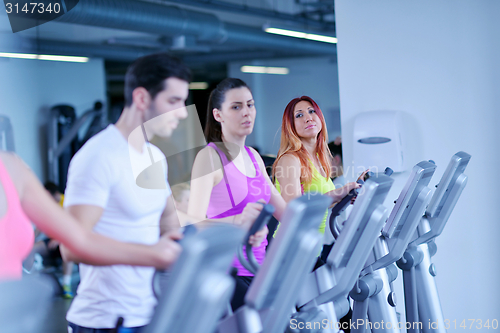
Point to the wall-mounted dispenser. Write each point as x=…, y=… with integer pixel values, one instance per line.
x=379, y=141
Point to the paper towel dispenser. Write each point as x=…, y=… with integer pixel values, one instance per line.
x=379, y=141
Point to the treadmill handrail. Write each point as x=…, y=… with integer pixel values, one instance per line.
x=445, y=197
x=405, y=216
x=250, y=263
x=357, y=239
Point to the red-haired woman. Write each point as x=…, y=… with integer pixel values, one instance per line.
x=303, y=163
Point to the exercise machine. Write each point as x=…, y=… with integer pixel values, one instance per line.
x=418, y=271
x=271, y=298
x=24, y=304
x=373, y=294
x=198, y=284
x=324, y=295
x=62, y=137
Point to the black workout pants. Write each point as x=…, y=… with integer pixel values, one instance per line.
x=240, y=290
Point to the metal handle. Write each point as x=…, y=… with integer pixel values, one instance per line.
x=251, y=263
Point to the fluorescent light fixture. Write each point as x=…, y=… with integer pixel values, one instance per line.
x=298, y=34
x=18, y=55
x=265, y=70
x=62, y=58
x=198, y=86
x=43, y=57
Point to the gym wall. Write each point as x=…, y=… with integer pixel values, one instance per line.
x=29, y=88
x=437, y=62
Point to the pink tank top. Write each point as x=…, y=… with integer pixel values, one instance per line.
x=16, y=233
x=230, y=196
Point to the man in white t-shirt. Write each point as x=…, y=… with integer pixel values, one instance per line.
x=117, y=186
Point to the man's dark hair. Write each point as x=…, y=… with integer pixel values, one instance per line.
x=151, y=71
x=51, y=187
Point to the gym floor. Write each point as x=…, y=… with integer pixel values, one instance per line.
x=55, y=322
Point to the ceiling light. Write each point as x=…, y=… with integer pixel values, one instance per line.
x=198, y=86
x=265, y=70
x=18, y=55
x=299, y=34
x=43, y=57
x=62, y=58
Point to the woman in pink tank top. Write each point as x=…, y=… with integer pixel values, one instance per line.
x=229, y=178
x=24, y=199
x=16, y=233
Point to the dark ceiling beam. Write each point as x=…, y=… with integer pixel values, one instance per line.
x=248, y=10
x=127, y=54
x=171, y=21
x=105, y=51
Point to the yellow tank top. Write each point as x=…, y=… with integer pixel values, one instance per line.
x=318, y=184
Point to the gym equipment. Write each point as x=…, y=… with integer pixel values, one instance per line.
x=324, y=295
x=340, y=207
x=273, y=293
x=373, y=294
x=6, y=134
x=344, y=203
x=160, y=277
x=62, y=137
x=24, y=304
x=198, y=283
x=250, y=263
x=418, y=271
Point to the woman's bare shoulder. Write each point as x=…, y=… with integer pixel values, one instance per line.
x=289, y=159
x=256, y=155
x=208, y=154
x=207, y=160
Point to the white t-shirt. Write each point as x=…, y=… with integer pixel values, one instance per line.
x=103, y=173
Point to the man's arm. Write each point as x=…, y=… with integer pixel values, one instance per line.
x=170, y=219
x=80, y=242
x=87, y=216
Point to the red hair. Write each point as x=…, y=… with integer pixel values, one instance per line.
x=291, y=143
